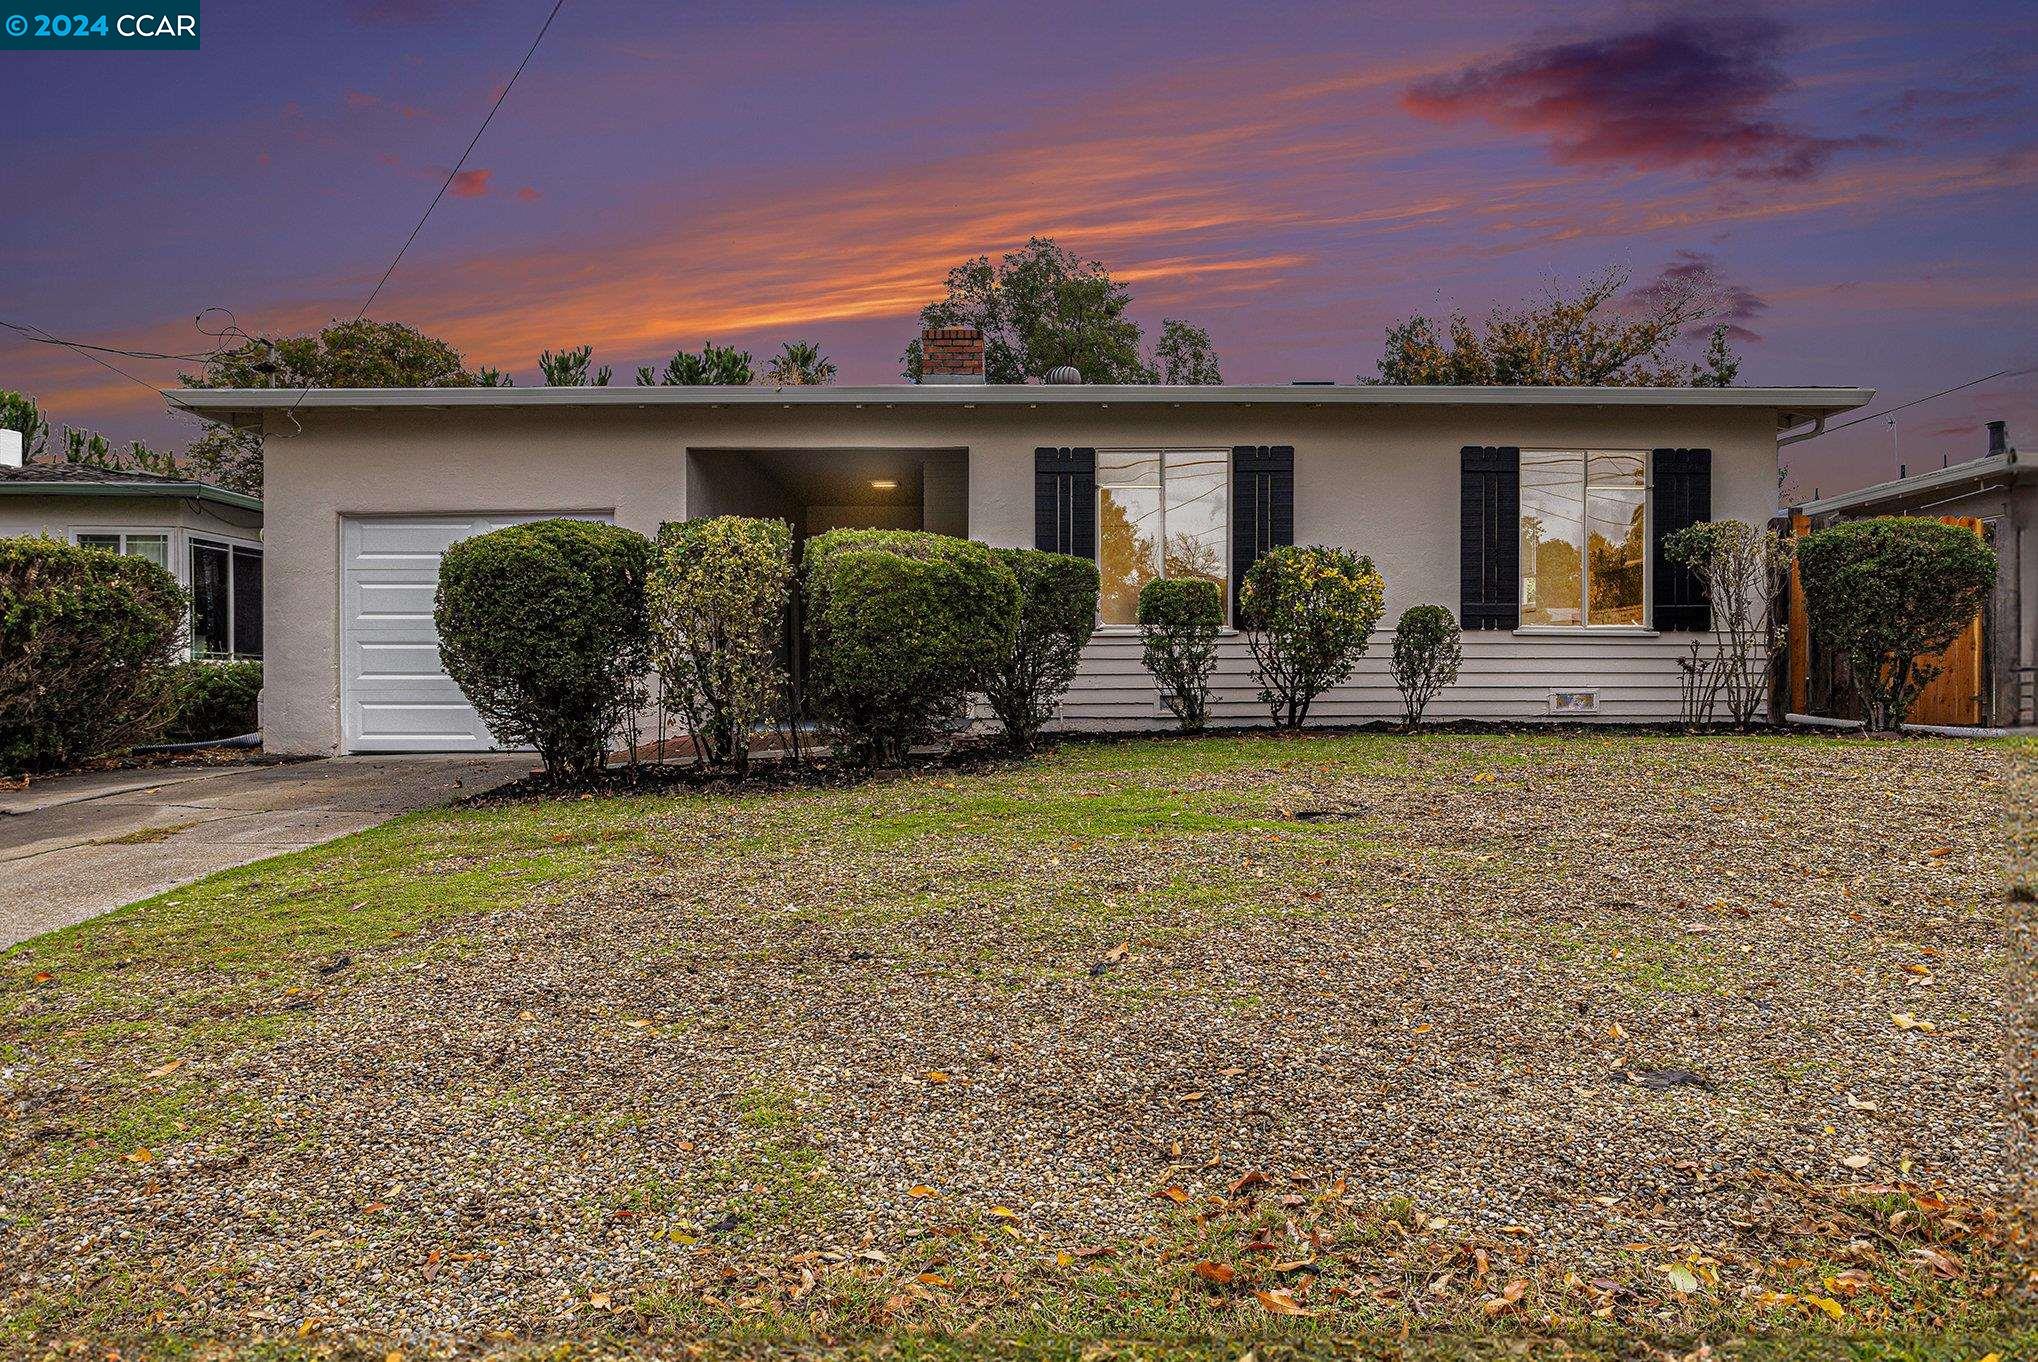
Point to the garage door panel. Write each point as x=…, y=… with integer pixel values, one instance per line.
x=394, y=694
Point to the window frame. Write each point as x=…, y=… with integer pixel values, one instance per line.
x=167, y=533
x=180, y=540
x=192, y=539
x=1162, y=453
x=1645, y=629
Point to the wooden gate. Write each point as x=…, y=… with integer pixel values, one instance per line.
x=1811, y=686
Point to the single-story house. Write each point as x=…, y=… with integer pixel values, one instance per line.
x=1536, y=513
x=208, y=538
x=1999, y=490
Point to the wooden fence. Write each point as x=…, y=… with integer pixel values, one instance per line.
x=1815, y=681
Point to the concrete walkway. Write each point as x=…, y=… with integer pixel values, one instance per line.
x=75, y=847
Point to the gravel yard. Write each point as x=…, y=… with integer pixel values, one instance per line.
x=1222, y=1037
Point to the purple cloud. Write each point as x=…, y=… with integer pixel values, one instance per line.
x=1678, y=92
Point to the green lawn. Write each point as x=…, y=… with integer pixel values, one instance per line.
x=1290, y=1044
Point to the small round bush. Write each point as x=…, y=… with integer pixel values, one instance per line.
x=542, y=627
x=717, y=592
x=1427, y=654
x=902, y=626
x=214, y=700
x=87, y=641
x=1308, y=614
x=1178, y=622
x=1057, y=615
x=1886, y=594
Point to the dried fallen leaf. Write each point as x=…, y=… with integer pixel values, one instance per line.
x=166, y=1069
x=1856, y=1161
x=1219, y=1274
x=1174, y=1194
x=141, y=1155
x=1280, y=1303
x=1829, y=1305
x=934, y=1076
x=922, y=1190
x=1681, y=1279
x=1252, y=1179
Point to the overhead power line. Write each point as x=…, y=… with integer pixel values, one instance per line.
x=1890, y=411
x=36, y=333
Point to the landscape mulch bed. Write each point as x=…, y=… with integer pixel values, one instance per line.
x=1689, y=1035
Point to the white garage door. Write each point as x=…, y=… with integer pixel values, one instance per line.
x=393, y=695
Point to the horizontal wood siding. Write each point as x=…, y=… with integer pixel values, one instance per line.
x=1504, y=677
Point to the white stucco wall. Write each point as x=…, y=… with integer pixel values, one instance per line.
x=1380, y=480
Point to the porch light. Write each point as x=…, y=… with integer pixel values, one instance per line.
x=883, y=485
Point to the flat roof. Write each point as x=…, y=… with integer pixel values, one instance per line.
x=1794, y=406
x=1931, y=480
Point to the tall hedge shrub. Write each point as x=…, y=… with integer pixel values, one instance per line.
x=87, y=642
x=902, y=627
x=1885, y=594
x=1308, y=614
x=1427, y=655
x=1057, y=615
x=1178, y=622
x=542, y=626
x=717, y=592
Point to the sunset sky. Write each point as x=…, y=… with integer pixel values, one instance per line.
x=1294, y=177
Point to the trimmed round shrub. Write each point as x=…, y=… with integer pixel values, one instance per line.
x=902, y=626
x=214, y=700
x=717, y=593
x=1427, y=654
x=1178, y=622
x=1308, y=614
x=1057, y=615
x=1886, y=594
x=542, y=627
x=87, y=642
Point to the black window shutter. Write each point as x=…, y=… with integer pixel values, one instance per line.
x=1065, y=501
x=1681, y=487
x=1262, y=505
x=1489, y=537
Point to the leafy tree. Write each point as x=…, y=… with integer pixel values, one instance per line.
x=1308, y=614
x=800, y=364
x=1040, y=308
x=1887, y=594
x=226, y=457
x=1741, y=568
x=716, y=366
x=1583, y=339
x=569, y=369
x=18, y=411
x=488, y=376
x=345, y=354
x=1185, y=355
x=93, y=450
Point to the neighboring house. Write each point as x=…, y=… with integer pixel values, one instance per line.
x=1999, y=490
x=1477, y=498
x=209, y=539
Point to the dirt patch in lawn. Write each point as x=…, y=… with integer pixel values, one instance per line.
x=1687, y=1035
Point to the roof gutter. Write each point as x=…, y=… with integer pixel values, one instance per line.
x=1818, y=429
x=197, y=491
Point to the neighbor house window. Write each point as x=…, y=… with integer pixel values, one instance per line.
x=1160, y=513
x=226, y=599
x=153, y=546
x=1584, y=537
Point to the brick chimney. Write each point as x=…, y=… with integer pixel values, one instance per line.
x=951, y=354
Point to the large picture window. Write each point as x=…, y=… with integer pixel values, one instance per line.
x=226, y=599
x=1584, y=538
x=1160, y=513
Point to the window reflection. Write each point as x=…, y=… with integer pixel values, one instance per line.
x=1584, y=537
x=1160, y=514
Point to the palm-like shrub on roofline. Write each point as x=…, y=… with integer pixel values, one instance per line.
x=542, y=627
x=1178, y=622
x=716, y=593
x=1057, y=615
x=902, y=627
x=1308, y=614
x=1888, y=593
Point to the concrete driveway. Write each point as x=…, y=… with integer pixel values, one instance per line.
x=77, y=846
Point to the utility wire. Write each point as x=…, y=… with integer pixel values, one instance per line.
x=455, y=171
x=1889, y=411
x=41, y=337
x=36, y=333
